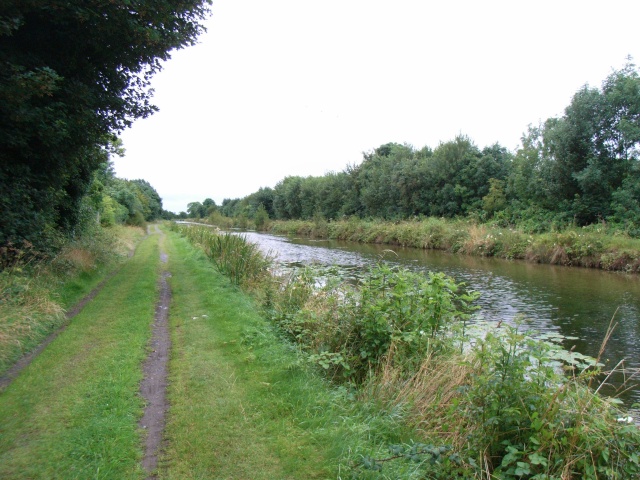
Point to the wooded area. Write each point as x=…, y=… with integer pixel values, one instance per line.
x=73, y=75
x=579, y=169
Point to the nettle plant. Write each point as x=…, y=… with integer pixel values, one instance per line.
x=527, y=419
x=525, y=411
x=416, y=315
x=350, y=330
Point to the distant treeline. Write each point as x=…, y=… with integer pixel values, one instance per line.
x=120, y=201
x=578, y=169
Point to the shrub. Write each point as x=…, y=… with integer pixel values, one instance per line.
x=349, y=331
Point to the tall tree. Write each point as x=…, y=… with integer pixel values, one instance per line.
x=584, y=163
x=73, y=74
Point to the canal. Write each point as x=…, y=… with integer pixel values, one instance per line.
x=573, y=302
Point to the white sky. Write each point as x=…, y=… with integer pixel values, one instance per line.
x=301, y=87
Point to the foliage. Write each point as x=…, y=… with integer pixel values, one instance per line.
x=531, y=421
x=578, y=169
x=133, y=202
x=392, y=182
x=202, y=210
x=581, y=166
x=73, y=74
x=261, y=217
x=349, y=332
x=231, y=254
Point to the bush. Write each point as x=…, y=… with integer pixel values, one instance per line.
x=526, y=420
x=349, y=331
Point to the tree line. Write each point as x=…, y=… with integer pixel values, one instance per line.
x=578, y=169
x=119, y=201
x=73, y=75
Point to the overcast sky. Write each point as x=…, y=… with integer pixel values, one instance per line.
x=298, y=87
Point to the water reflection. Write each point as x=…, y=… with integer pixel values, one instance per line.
x=572, y=301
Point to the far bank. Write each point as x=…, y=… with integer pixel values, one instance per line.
x=595, y=246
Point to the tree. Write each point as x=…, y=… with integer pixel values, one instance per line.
x=73, y=74
x=581, y=164
x=379, y=175
x=151, y=200
x=495, y=200
x=196, y=210
x=287, y=202
x=209, y=206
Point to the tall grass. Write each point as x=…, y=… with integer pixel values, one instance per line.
x=231, y=254
x=36, y=291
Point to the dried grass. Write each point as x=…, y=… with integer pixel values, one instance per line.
x=23, y=317
x=79, y=259
x=428, y=395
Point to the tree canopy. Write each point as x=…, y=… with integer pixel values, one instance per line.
x=577, y=169
x=73, y=74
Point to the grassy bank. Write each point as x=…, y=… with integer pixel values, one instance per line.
x=73, y=412
x=35, y=294
x=243, y=403
x=593, y=247
x=493, y=403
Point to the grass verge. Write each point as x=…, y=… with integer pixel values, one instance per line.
x=35, y=296
x=243, y=403
x=73, y=412
x=595, y=246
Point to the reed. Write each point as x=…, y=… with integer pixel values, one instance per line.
x=231, y=254
x=582, y=247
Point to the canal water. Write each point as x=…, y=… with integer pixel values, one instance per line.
x=573, y=302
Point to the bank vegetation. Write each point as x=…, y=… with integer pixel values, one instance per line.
x=485, y=401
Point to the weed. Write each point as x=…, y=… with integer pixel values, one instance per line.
x=232, y=254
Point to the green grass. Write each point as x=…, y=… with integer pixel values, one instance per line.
x=73, y=412
x=499, y=409
x=34, y=297
x=243, y=403
x=109, y=249
x=243, y=406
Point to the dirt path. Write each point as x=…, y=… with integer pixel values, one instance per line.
x=154, y=384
